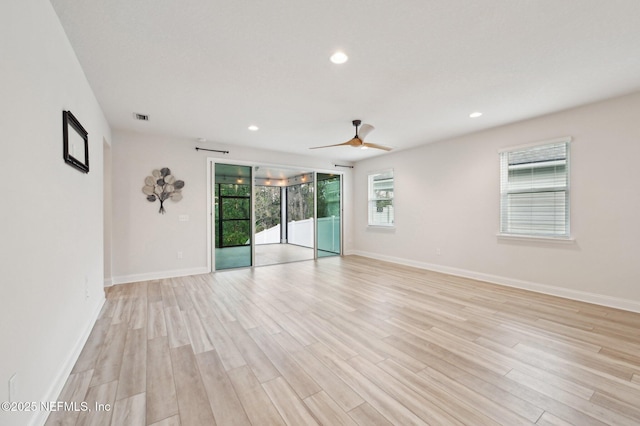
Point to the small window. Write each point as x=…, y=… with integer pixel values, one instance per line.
x=534, y=190
x=381, y=211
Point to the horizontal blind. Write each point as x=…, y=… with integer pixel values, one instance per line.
x=381, y=211
x=534, y=189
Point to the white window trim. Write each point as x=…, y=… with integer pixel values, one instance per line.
x=390, y=226
x=379, y=225
x=563, y=239
x=567, y=139
x=519, y=237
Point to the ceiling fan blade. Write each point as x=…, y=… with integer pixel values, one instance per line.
x=352, y=142
x=376, y=146
x=364, y=130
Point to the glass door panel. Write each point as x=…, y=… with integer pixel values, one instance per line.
x=232, y=224
x=328, y=214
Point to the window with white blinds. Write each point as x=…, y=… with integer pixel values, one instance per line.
x=534, y=190
x=381, y=212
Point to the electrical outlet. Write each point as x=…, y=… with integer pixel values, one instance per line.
x=86, y=287
x=12, y=388
x=179, y=255
x=438, y=252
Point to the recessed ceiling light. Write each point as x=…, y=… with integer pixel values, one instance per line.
x=253, y=128
x=202, y=140
x=339, y=58
x=475, y=114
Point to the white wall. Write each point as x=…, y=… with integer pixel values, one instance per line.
x=447, y=198
x=107, y=212
x=50, y=214
x=145, y=243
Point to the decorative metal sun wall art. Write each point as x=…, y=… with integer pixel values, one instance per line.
x=162, y=185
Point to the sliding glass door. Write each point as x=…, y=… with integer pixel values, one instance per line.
x=263, y=215
x=329, y=209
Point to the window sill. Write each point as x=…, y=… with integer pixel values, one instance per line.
x=553, y=240
x=382, y=227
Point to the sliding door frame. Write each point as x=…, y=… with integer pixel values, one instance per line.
x=211, y=167
x=211, y=173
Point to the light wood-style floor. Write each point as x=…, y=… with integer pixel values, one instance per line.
x=271, y=254
x=353, y=341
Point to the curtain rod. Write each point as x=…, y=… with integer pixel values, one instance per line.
x=340, y=165
x=212, y=150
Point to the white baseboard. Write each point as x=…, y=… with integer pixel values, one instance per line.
x=158, y=275
x=108, y=282
x=582, y=296
x=40, y=417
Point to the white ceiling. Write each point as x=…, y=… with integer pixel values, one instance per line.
x=416, y=69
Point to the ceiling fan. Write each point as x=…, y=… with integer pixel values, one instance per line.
x=358, y=140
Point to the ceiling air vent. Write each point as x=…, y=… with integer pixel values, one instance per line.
x=140, y=116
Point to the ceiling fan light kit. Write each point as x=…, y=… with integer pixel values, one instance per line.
x=358, y=140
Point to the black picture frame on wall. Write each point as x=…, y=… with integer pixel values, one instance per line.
x=76, y=142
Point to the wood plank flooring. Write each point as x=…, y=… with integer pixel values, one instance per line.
x=352, y=341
